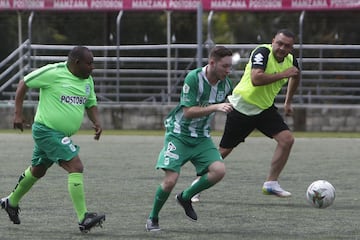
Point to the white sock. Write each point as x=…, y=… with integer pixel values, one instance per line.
x=270, y=183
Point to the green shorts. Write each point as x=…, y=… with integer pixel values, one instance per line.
x=51, y=146
x=178, y=151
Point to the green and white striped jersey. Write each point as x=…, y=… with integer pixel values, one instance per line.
x=196, y=91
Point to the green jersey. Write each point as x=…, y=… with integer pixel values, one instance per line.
x=196, y=91
x=63, y=97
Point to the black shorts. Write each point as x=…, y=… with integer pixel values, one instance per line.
x=238, y=126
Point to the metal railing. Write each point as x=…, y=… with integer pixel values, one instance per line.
x=148, y=74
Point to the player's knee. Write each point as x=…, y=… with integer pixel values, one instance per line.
x=73, y=166
x=216, y=171
x=285, y=139
x=221, y=173
x=289, y=140
x=76, y=168
x=38, y=171
x=169, y=181
x=168, y=184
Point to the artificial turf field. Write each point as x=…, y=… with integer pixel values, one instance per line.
x=120, y=180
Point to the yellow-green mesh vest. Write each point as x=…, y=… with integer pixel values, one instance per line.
x=263, y=96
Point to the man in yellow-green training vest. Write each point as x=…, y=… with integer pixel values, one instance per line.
x=270, y=67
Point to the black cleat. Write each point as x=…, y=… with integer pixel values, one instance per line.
x=152, y=225
x=13, y=212
x=91, y=220
x=186, y=204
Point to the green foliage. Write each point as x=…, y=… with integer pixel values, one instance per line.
x=97, y=28
x=8, y=33
x=222, y=29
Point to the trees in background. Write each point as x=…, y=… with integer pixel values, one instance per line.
x=96, y=28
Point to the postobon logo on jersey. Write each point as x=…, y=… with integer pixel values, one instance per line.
x=77, y=100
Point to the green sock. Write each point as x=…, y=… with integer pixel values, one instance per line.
x=26, y=181
x=76, y=190
x=159, y=201
x=199, y=186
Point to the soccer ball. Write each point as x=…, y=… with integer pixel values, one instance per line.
x=320, y=194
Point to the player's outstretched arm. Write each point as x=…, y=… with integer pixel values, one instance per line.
x=260, y=78
x=197, y=111
x=19, y=100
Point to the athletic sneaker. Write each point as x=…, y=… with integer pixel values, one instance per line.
x=273, y=188
x=13, y=212
x=196, y=198
x=91, y=220
x=186, y=204
x=152, y=225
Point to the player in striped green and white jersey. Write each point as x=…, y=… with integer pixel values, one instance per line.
x=187, y=136
x=196, y=92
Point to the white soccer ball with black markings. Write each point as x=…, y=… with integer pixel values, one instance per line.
x=320, y=194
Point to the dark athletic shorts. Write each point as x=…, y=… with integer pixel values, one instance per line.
x=238, y=126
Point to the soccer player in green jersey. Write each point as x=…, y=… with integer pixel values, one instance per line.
x=270, y=67
x=187, y=136
x=66, y=92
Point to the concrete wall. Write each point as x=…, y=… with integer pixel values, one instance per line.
x=328, y=118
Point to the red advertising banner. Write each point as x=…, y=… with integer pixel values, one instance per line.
x=181, y=5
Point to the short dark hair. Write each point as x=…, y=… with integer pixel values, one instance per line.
x=286, y=32
x=77, y=52
x=219, y=52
